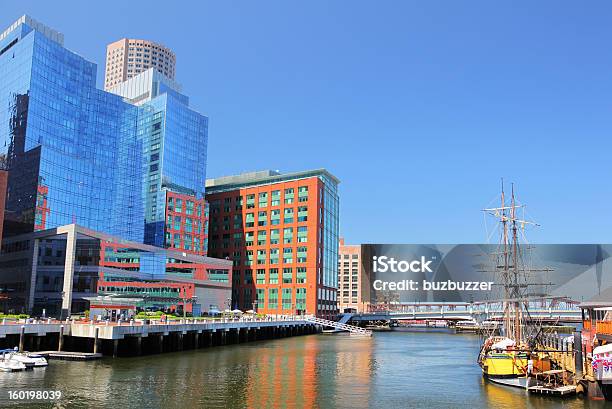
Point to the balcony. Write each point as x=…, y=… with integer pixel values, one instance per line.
x=603, y=327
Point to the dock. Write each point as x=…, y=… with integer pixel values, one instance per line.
x=556, y=391
x=70, y=356
x=86, y=340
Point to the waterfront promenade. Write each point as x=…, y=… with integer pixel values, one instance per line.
x=136, y=337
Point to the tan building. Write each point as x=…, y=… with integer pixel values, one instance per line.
x=129, y=57
x=349, y=277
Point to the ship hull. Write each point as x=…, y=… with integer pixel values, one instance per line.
x=515, y=381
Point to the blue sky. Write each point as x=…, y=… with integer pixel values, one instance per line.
x=418, y=107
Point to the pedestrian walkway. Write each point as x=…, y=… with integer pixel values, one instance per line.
x=338, y=325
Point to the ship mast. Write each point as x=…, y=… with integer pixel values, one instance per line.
x=510, y=267
x=505, y=273
x=517, y=309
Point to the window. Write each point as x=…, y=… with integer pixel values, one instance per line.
x=275, y=198
x=273, y=256
x=263, y=199
x=272, y=298
x=274, y=236
x=250, y=201
x=261, y=256
x=288, y=255
x=287, y=275
x=262, y=218
x=288, y=215
x=287, y=299
x=300, y=299
x=273, y=279
x=250, y=220
x=287, y=235
x=275, y=217
x=300, y=277
x=289, y=196
x=261, y=237
x=261, y=276
x=301, y=254
x=302, y=234
x=302, y=213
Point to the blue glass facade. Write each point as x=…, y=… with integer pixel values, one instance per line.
x=77, y=154
x=70, y=149
x=174, y=139
x=175, y=143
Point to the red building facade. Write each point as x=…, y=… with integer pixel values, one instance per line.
x=186, y=223
x=278, y=231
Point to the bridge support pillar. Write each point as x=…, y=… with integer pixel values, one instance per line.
x=61, y=339
x=21, y=338
x=96, y=343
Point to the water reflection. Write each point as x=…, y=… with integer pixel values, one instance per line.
x=390, y=370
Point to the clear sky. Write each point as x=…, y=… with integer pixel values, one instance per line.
x=418, y=107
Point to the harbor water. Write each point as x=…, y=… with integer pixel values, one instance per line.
x=399, y=369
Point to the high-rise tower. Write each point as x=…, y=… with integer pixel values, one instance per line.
x=128, y=57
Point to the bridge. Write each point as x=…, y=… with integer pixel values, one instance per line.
x=546, y=310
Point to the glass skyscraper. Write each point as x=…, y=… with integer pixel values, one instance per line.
x=174, y=139
x=70, y=149
x=130, y=162
x=121, y=168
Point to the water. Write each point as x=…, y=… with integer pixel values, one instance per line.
x=409, y=369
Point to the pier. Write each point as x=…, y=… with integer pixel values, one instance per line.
x=138, y=337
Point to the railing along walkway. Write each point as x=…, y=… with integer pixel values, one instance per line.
x=350, y=328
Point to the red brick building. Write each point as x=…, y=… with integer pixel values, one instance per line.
x=281, y=232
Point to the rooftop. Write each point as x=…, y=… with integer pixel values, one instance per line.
x=262, y=177
x=604, y=299
x=40, y=27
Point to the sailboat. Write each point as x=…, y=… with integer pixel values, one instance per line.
x=510, y=359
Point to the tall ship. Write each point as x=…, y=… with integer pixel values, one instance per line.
x=511, y=358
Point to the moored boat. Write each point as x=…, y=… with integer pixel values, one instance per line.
x=8, y=364
x=467, y=326
x=511, y=359
x=29, y=360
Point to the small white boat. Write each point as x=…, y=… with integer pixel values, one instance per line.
x=467, y=326
x=31, y=360
x=8, y=364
